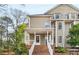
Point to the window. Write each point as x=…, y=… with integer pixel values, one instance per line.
x=73, y=16
x=60, y=39
x=57, y=16
x=61, y=16
x=67, y=16
x=78, y=16
x=60, y=26
x=47, y=25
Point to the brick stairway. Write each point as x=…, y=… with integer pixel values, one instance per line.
x=40, y=50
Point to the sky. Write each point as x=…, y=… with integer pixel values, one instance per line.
x=36, y=8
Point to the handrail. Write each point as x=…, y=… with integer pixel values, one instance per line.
x=32, y=48
x=49, y=48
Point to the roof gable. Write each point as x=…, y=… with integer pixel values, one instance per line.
x=63, y=8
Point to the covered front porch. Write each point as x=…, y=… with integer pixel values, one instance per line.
x=39, y=36
x=40, y=40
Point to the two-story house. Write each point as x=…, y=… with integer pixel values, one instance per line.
x=52, y=26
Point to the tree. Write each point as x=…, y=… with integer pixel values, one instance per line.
x=14, y=39
x=7, y=22
x=74, y=36
x=20, y=47
x=16, y=14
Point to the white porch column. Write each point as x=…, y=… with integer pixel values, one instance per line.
x=28, y=39
x=47, y=36
x=63, y=38
x=25, y=37
x=29, y=22
x=70, y=16
x=56, y=41
x=52, y=38
x=74, y=22
x=34, y=36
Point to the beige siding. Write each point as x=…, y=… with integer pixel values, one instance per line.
x=63, y=9
x=38, y=22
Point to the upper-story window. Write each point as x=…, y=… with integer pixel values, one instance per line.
x=57, y=16
x=72, y=16
x=60, y=25
x=47, y=24
x=67, y=16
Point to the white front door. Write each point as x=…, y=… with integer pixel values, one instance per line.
x=37, y=39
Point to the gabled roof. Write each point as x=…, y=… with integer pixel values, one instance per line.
x=69, y=5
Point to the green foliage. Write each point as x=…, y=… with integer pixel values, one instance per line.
x=61, y=50
x=1, y=50
x=74, y=35
x=20, y=32
x=20, y=47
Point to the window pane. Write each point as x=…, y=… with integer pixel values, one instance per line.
x=60, y=39
x=47, y=24
x=57, y=16
x=73, y=16
x=67, y=16
x=60, y=26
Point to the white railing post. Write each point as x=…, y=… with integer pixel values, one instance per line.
x=32, y=48
x=49, y=48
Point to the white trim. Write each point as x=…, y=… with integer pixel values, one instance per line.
x=74, y=22
x=56, y=33
x=28, y=38
x=47, y=36
x=63, y=40
x=49, y=48
x=32, y=48
x=25, y=37
x=52, y=38
x=29, y=22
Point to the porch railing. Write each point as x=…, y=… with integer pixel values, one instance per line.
x=49, y=48
x=32, y=48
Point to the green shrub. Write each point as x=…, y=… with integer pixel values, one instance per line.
x=21, y=50
x=1, y=50
x=61, y=50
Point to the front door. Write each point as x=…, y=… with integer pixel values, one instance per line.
x=37, y=39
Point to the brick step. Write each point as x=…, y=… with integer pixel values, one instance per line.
x=40, y=50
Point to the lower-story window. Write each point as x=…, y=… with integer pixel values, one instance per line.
x=60, y=39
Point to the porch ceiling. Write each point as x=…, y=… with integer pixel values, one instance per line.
x=39, y=30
